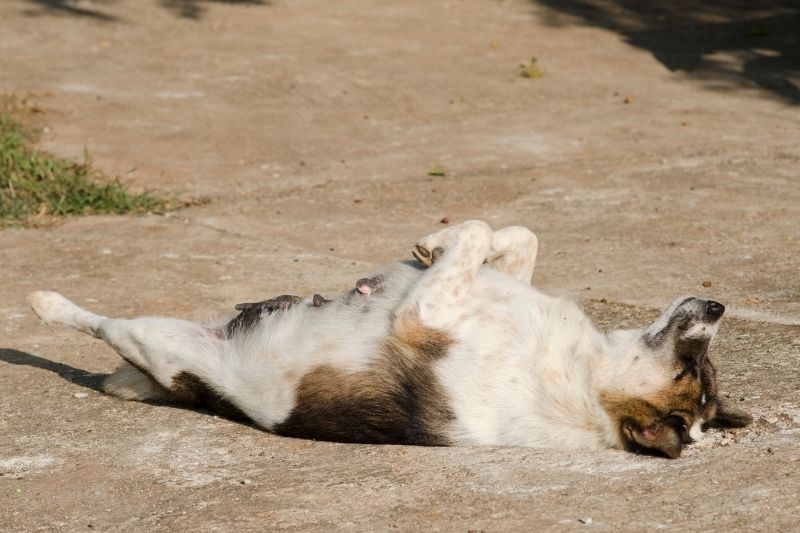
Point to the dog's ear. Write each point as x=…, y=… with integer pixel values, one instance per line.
x=642, y=428
x=658, y=437
x=729, y=417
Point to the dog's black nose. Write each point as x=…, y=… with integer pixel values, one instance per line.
x=714, y=309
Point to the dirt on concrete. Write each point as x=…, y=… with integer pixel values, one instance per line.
x=658, y=153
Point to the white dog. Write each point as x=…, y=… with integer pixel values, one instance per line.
x=456, y=349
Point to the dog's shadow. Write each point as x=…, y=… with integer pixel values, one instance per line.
x=73, y=375
x=94, y=381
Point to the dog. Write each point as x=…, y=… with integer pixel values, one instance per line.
x=455, y=348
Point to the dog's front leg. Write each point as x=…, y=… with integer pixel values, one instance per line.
x=454, y=255
x=513, y=252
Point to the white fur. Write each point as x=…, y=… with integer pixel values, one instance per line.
x=129, y=383
x=696, y=431
x=702, y=330
x=536, y=381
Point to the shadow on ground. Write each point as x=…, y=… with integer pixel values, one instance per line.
x=726, y=43
x=94, y=382
x=68, y=373
x=67, y=7
x=194, y=9
x=188, y=9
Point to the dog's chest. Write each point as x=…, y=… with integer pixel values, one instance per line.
x=523, y=367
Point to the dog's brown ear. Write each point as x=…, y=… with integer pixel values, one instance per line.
x=729, y=417
x=642, y=428
x=658, y=437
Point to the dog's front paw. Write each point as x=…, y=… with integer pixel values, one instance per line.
x=426, y=256
x=429, y=249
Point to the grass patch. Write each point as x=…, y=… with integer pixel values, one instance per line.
x=35, y=186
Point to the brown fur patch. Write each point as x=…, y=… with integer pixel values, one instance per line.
x=681, y=395
x=660, y=422
x=398, y=400
x=642, y=427
x=670, y=412
x=189, y=389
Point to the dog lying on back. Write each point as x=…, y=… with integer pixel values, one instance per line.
x=455, y=349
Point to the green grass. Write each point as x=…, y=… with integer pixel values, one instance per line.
x=35, y=186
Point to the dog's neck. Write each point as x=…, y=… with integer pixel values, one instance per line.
x=628, y=372
x=571, y=390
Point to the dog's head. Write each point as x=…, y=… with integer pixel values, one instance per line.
x=661, y=391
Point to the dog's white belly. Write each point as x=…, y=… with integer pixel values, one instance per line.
x=520, y=371
x=272, y=362
x=273, y=359
x=523, y=369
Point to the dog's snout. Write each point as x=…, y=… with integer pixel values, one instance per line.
x=714, y=309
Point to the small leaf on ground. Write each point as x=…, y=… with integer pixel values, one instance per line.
x=531, y=70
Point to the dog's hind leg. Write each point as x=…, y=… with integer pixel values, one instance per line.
x=183, y=357
x=513, y=252
x=129, y=383
x=455, y=255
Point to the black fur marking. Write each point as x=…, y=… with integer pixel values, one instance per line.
x=691, y=352
x=727, y=417
x=319, y=300
x=656, y=339
x=251, y=313
x=680, y=426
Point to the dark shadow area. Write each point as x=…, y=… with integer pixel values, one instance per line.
x=188, y=9
x=724, y=42
x=94, y=382
x=67, y=7
x=71, y=374
x=194, y=9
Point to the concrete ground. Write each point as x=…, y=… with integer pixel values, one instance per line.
x=658, y=154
